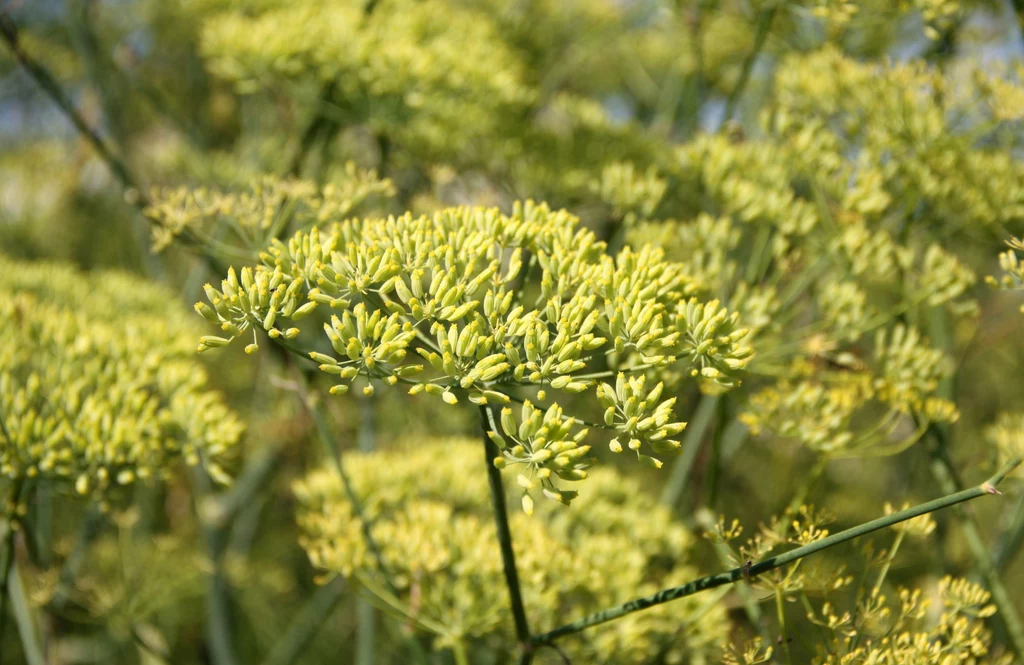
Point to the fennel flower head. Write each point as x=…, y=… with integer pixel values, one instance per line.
x=439, y=549
x=99, y=385
x=445, y=305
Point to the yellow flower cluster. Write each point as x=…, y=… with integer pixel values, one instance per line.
x=942, y=130
x=903, y=630
x=1007, y=435
x=823, y=408
x=439, y=550
x=97, y=383
x=434, y=74
x=448, y=288
x=1013, y=269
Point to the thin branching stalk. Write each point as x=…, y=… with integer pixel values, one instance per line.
x=219, y=624
x=133, y=192
x=334, y=453
x=706, y=520
x=30, y=644
x=1011, y=540
x=87, y=533
x=780, y=612
x=508, y=556
x=736, y=574
x=307, y=624
x=42, y=77
x=1008, y=614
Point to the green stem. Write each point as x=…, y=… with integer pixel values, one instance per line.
x=33, y=650
x=307, y=624
x=736, y=574
x=508, y=556
x=133, y=194
x=706, y=519
x=366, y=613
x=715, y=460
x=69, y=571
x=780, y=612
x=764, y=23
x=334, y=453
x=7, y=552
x=219, y=629
x=459, y=651
x=45, y=80
x=888, y=563
x=695, y=431
x=1008, y=614
x=1011, y=540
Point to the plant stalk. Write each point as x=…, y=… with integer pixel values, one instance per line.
x=508, y=556
x=1007, y=613
x=307, y=624
x=695, y=431
x=334, y=453
x=33, y=650
x=764, y=24
x=736, y=574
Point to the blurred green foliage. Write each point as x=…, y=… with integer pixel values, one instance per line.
x=836, y=179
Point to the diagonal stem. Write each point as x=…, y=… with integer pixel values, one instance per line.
x=764, y=23
x=1008, y=615
x=737, y=574
x=508, y=556
x=334, y=453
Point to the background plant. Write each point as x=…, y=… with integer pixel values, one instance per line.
x=826, y=208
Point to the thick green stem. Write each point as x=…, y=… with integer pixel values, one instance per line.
x=736, y=574
x=508, y=556
x=366, y=613
x=307, y=624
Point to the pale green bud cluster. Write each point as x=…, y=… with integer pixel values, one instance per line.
x=640, y=417
x=703, y=243
x=1012, y=267
x=544, y=443
x=908, y=370
x=450, y=288
x=946, y=173
x=905, y=628
x=434, y=74
x=439, y=549
x=1007, y=435
x=844, y=307
x=98, y=386
x=937, y=15
x=269, y=207
x=854, y=409
x=712, y=339
x=631, y=194
x=750, y=182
